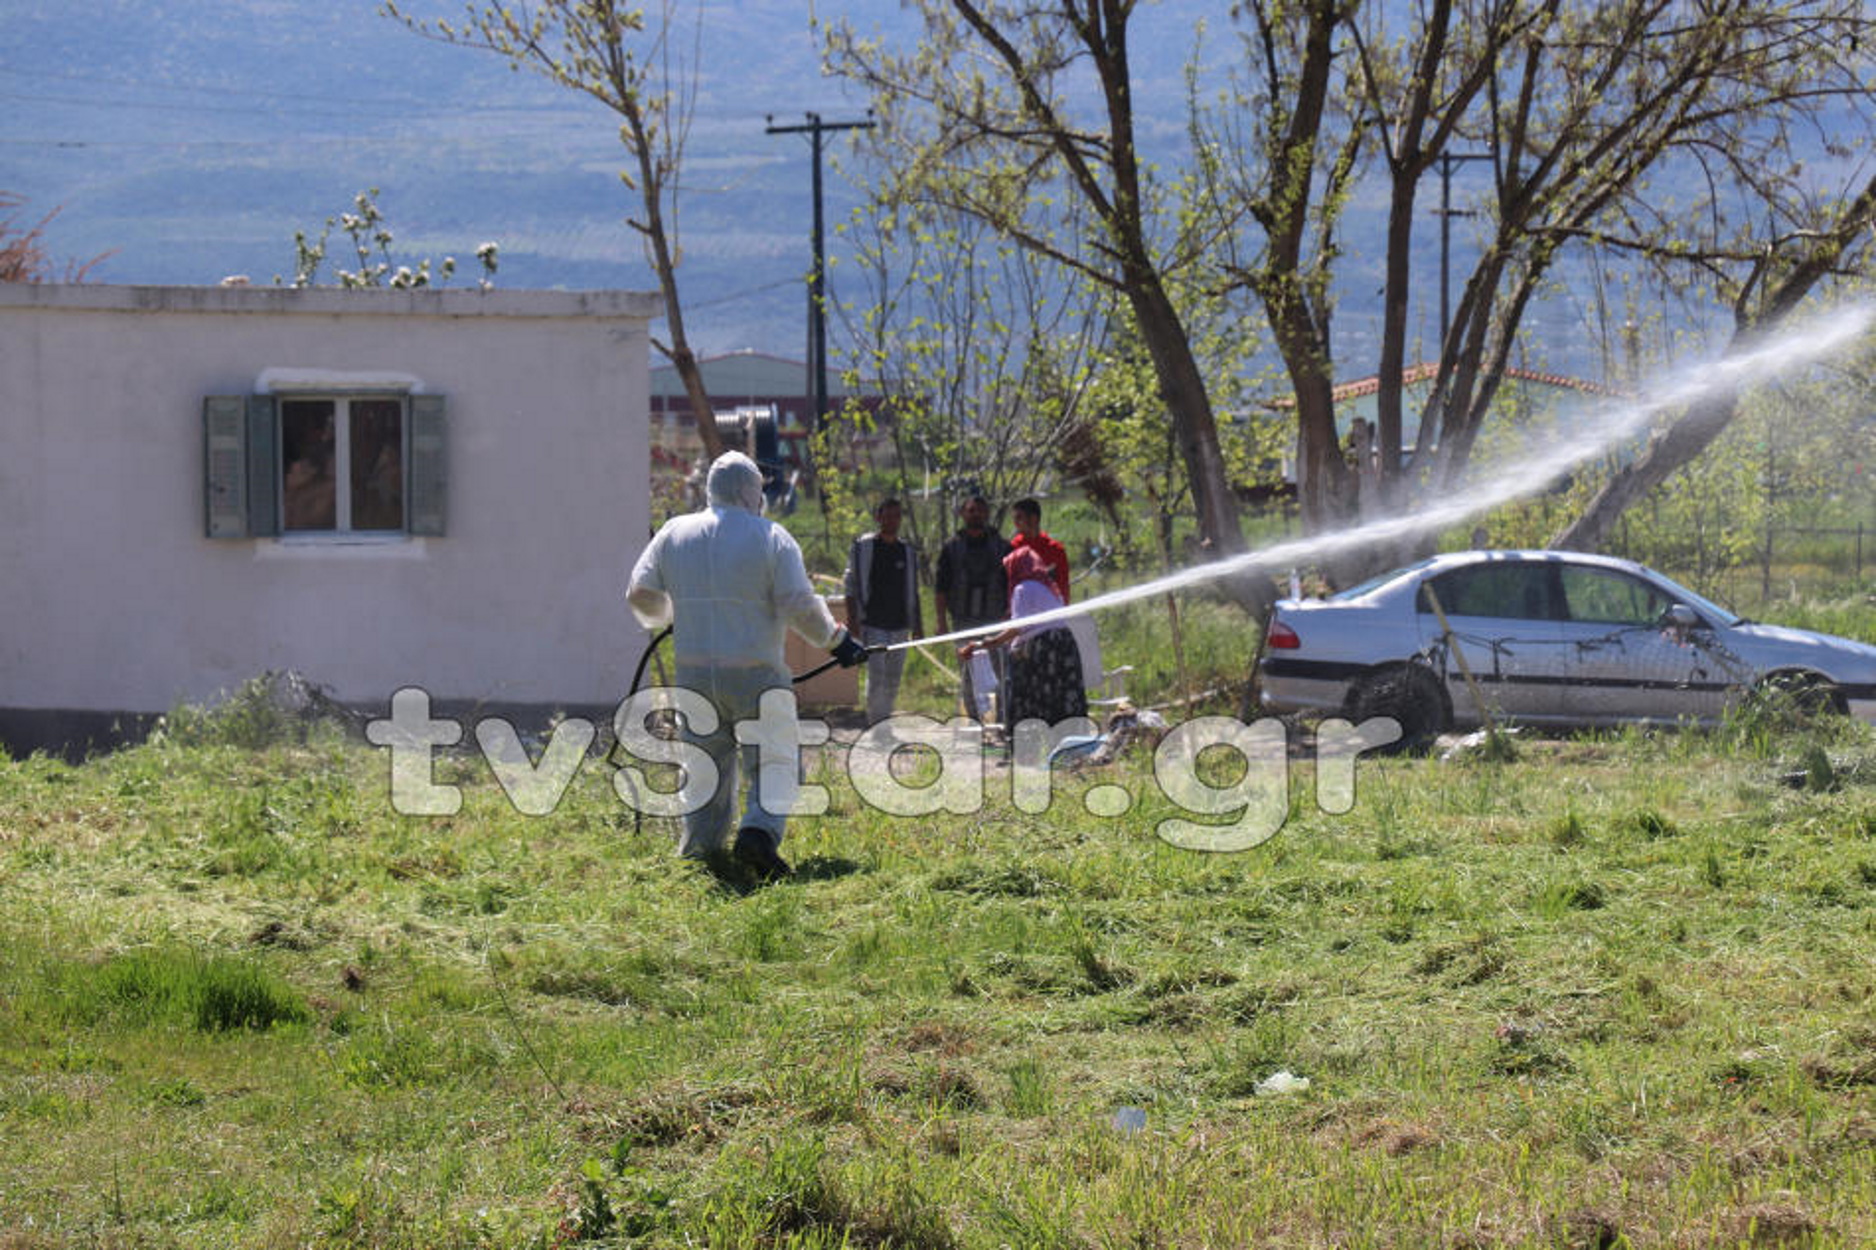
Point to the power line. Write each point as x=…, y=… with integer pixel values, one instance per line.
x=388, y=111
x=346, y=106
x=733, y=296
x=248, y=93
x=161, y=106
x=361, y=142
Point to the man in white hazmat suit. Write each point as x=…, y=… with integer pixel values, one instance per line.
x=731, y=583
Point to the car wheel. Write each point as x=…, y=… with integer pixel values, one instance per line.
x=1808, y=695
x=1411, y=695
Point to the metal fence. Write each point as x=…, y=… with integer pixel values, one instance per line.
x=1839, y=548
x=1789, y=559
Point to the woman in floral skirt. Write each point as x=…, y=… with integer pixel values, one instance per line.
x=1045, y=678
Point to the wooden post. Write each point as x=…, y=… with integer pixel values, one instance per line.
x=1179, y=646
x=1250, y=704
x=1465, y=669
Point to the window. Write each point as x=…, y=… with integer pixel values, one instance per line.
x=1516, y=590
x=1610, y=598
x=341, y=465
x=1379, y=580
x=334, y=464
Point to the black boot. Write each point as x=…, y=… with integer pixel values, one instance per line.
x=756, y=848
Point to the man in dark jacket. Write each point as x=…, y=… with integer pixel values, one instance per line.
x=971, y=589
x=882, y=604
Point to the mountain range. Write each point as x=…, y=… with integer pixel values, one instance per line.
x=189, y=142
x=185, y=142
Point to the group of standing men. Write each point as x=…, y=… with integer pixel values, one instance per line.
x=730, y=583
x=971, y=590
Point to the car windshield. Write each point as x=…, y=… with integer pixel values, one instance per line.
x=1700, y=603
x=1375, y=583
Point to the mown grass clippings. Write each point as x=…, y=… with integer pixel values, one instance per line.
x=1615, y=988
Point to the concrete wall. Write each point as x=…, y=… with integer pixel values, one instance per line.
x=112, y=598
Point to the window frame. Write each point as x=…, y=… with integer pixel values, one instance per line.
x=243, y=464
x=1621, y=577
x=343, y=530
x=1542, y=570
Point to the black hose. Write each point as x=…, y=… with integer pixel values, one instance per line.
x=638, y=677
x=818, y=669
x=638, y=674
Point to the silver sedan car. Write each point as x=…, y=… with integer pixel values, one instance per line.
x=1550, y=638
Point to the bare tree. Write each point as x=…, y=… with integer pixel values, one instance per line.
x=978, y=117
x=23, y=255
x=1415, y=104
x=986, y=348
x=1578, y=107
x=608, y=51
x=1595, y=107
x=1775, y=286
x=1293, y=170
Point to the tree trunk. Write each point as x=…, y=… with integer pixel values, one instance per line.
x=1182, y=390
x=1189, y=406
x=1324, y=483
x=1673, y=447
x=658, y=243
x=1388, y=422
x=703, y=413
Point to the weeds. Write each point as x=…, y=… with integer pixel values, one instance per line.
x=1569, y=998
x=274, y=709
x=170, y=986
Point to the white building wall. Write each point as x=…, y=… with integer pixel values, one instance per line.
x=112, y=598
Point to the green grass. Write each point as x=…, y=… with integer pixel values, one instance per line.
x=159, y=986
x=1616, y=991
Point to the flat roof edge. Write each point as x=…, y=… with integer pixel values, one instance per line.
x=369, y=302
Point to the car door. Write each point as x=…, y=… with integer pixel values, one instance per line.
x=1625, y=663
x=1503, y=615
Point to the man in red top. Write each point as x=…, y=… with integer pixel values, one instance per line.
x=1026, y=516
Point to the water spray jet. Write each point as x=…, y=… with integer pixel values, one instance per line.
x=1805, y=344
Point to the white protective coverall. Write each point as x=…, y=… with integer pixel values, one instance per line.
x=731, y=583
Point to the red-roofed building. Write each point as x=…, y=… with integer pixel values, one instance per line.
x=1356, y=402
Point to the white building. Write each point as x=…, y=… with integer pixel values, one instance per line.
x=375, y=488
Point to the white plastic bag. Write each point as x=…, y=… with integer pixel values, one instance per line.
x=983, y=682
x=1283, y=1082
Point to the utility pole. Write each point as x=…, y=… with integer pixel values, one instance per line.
x=1446, y=213
x=814, y=128
x=1435, y=413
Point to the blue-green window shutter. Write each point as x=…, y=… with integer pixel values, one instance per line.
x=429, y=465
x=263, y=467
x=225, y=465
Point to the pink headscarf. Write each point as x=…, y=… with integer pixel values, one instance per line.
x=1022, y=565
